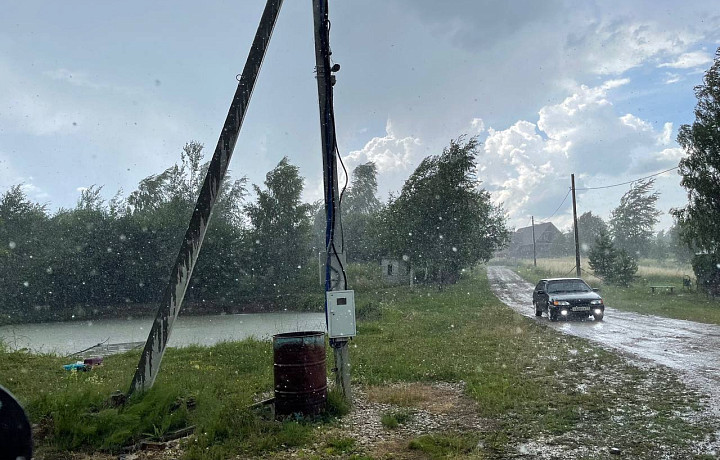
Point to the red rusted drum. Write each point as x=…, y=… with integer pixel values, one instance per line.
x=300, y=373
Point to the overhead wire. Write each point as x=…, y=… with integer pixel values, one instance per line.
x=559, y=206
x=628, y=182
x=604, y=187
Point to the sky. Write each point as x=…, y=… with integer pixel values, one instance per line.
x=106, y=94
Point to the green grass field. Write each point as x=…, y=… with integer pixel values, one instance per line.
x=529, y=383
x=682, y=304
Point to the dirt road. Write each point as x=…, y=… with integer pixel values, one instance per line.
x=691, y=348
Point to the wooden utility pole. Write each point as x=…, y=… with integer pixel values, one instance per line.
x=335, y=278
x=577, y=241
x=157, y=340
x=532, y=219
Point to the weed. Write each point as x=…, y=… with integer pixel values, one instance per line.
x=395, y=418
x=338, y=446
x=337, y=406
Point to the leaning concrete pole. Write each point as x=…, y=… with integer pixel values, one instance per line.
x=335, y=279
x=152, y=354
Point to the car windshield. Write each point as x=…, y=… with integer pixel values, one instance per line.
x=556, y=287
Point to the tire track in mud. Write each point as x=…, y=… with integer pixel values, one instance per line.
x=690, y=348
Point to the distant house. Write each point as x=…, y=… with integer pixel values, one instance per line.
x=396, y=271
x=521, y=245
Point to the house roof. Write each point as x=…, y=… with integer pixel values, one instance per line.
x=523, y=236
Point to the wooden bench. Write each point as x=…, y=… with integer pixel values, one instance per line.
x=671, y=288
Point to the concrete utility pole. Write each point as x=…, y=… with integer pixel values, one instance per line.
x=335, y=278
x=577, y=241
x=152, y=354
x=532, y=220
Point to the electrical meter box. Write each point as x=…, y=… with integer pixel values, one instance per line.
x=341, y=314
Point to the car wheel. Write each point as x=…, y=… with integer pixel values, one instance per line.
x=599, y=316
x=538, y=310
x=552, y=314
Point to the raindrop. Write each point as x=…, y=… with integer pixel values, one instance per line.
x=26, y=284
x=123, y=237
x=454, y=249
x=49, y=270
x=405, y=258
x=12, y=245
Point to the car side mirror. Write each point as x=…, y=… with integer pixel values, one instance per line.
x=596, y=289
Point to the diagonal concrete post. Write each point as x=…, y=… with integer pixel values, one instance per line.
x=152, y=354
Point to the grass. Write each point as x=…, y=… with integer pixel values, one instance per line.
x=395, y=418
x=445, y=446
x=528, y=381
x=683, y=304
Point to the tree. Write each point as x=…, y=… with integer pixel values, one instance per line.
x=589, y=229
x=280, y=229
x=24, y=245
x=614, y=266
x=678, y=246
x=660, y=246
x=442, y=221
x=602, y=255
x=360, y=207
x=633, y=220
x=700, y=169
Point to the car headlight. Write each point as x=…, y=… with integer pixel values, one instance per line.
x=561, y=303
x=596, y=302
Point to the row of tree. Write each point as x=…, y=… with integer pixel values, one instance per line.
x=630, y=227
x=695, y=237
x=99, y=255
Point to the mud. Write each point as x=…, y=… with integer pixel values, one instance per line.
x=690, y=348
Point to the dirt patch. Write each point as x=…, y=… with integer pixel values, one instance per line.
x=432, y=408
x=438, y=399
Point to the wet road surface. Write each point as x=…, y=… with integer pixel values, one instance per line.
x=691, y=348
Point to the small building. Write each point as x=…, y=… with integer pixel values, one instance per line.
x=396, y=271
x=546, y=239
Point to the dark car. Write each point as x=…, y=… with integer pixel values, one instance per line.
x=567, y=298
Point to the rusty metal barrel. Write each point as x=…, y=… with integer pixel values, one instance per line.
x=300, y=373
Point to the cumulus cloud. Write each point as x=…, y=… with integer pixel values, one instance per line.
x=613, y=47
x=477, y=125
x=689, y=60
x=528, y=165
x=390, y=152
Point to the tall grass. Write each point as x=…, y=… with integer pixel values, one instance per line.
x=648, y=269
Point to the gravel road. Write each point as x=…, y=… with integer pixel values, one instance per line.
x=691, y=348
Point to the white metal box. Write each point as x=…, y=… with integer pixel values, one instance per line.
x=341, y=314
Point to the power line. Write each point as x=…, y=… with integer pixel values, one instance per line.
x=628, y=182
x=559, y=206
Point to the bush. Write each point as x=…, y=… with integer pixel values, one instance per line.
x=612, y=265
x=707, y=272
